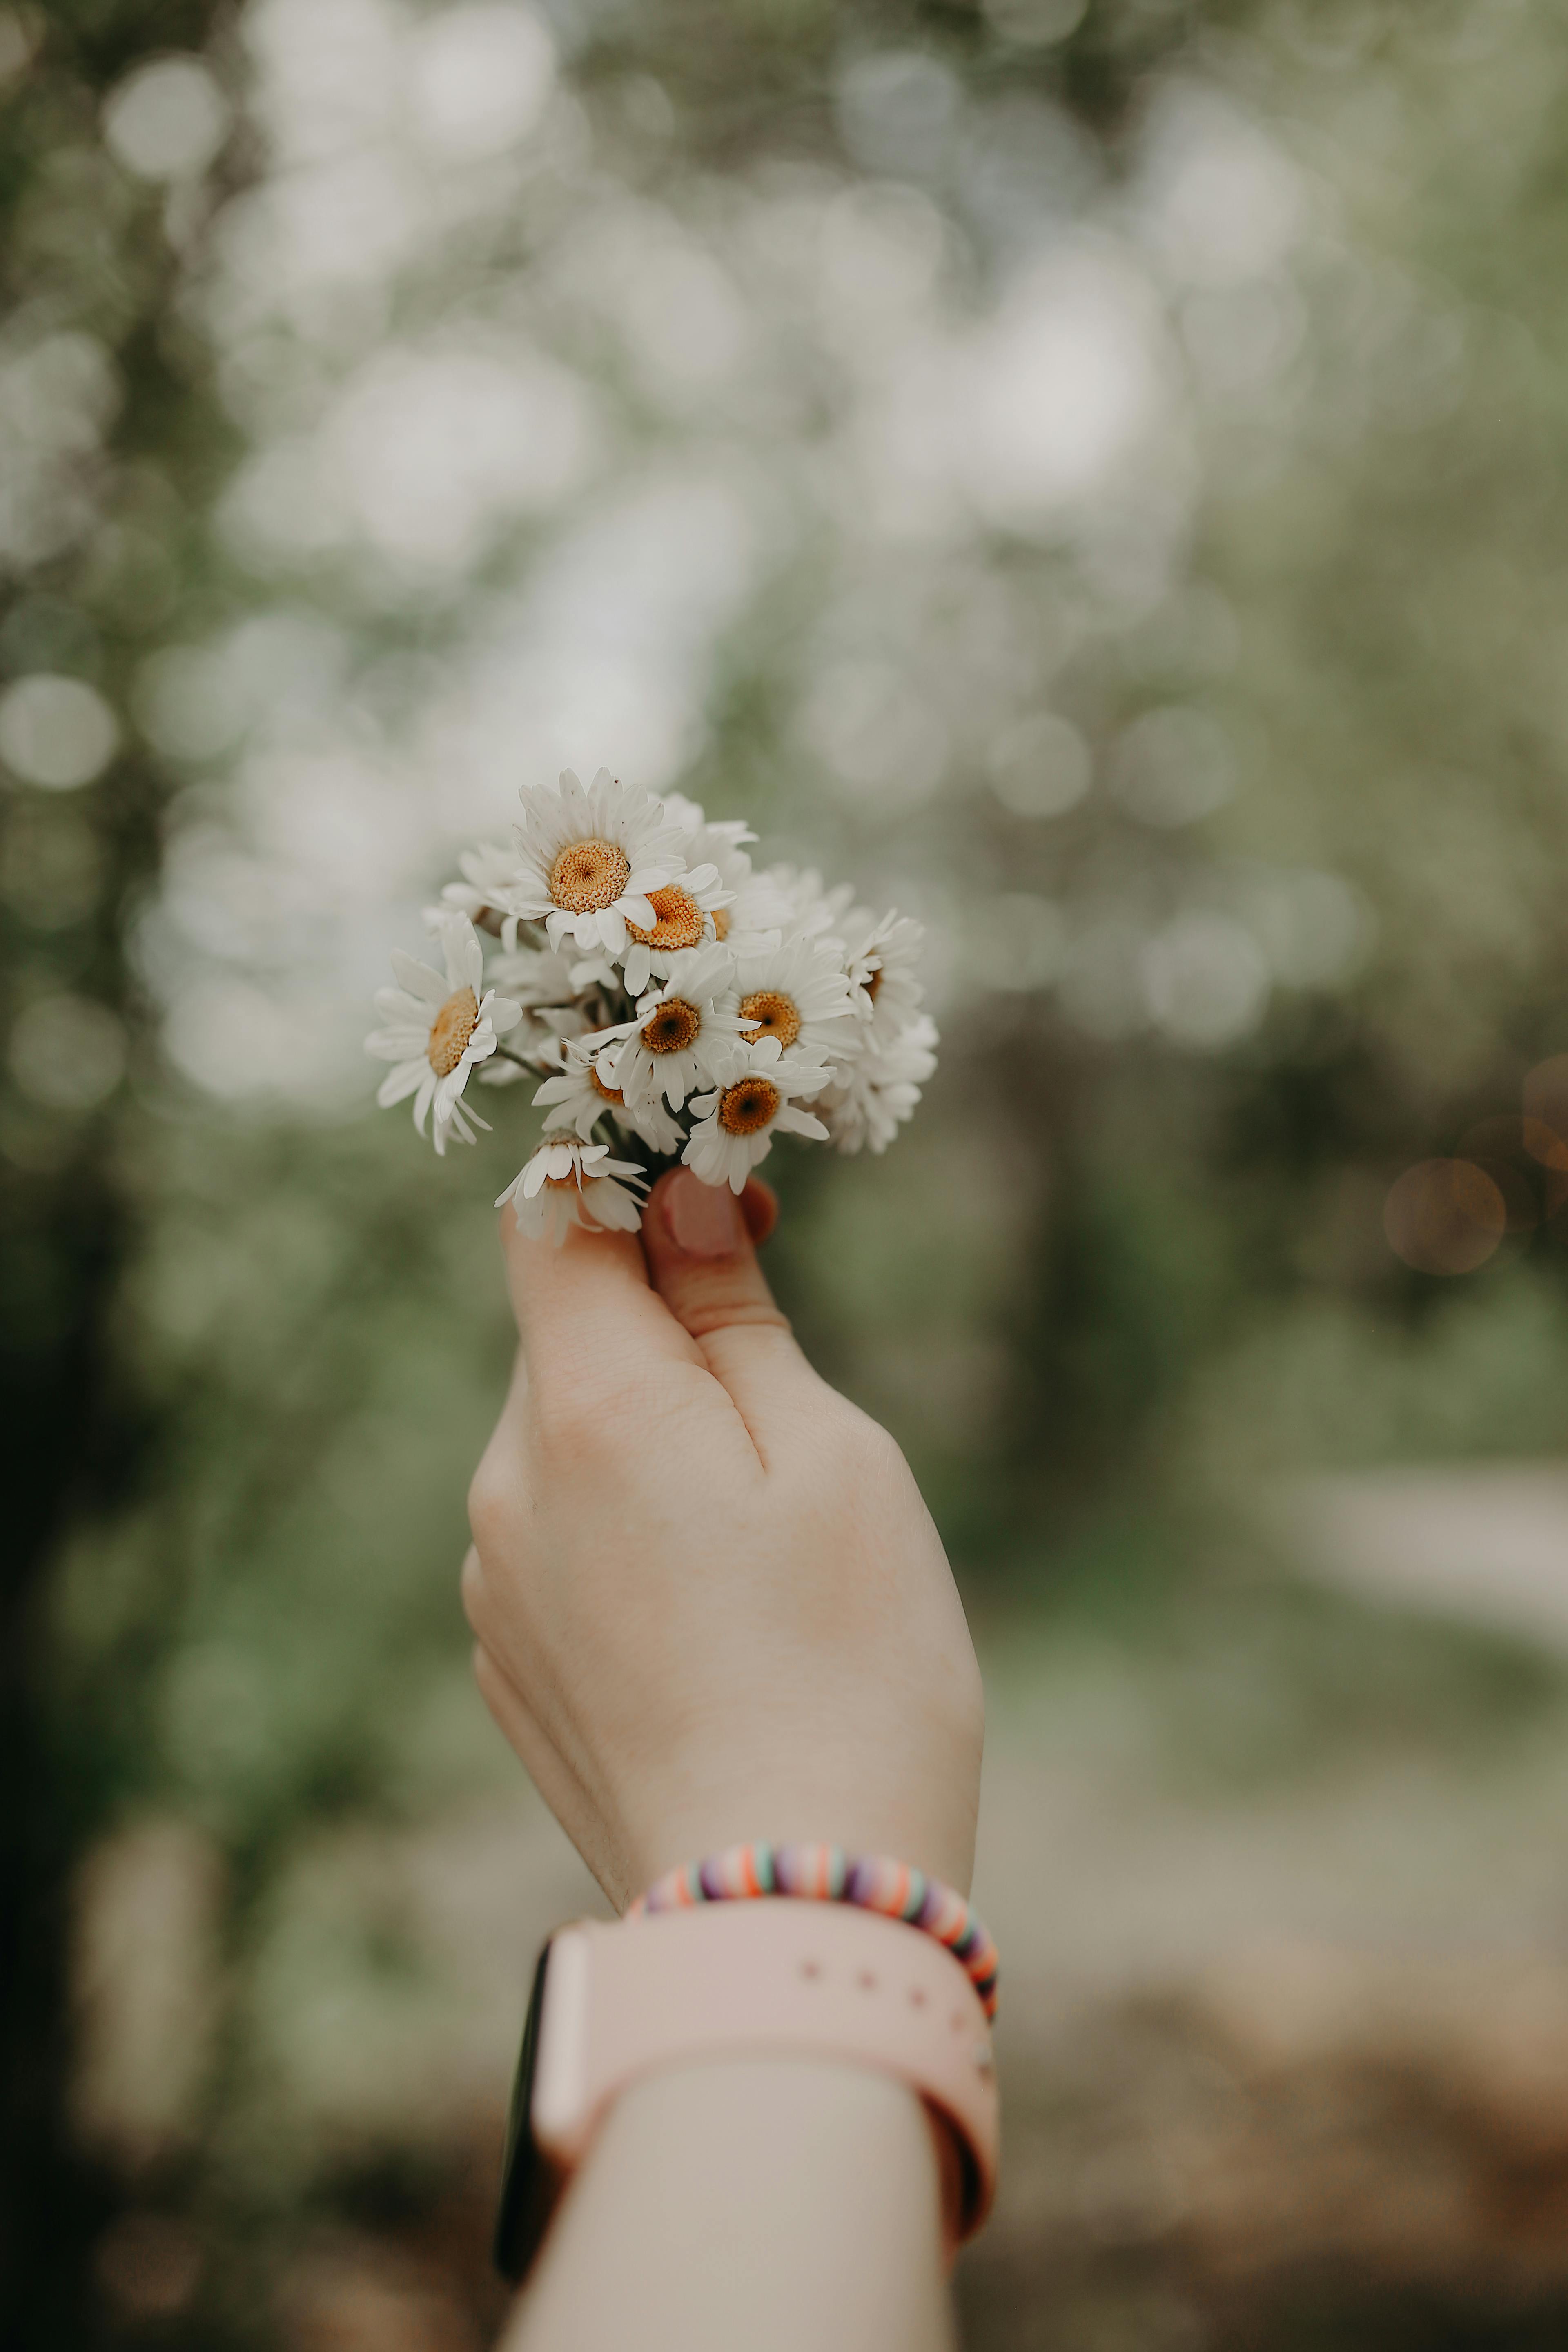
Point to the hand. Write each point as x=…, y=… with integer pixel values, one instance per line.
x=710, y=1603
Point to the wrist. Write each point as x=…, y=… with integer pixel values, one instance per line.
x=807, y=1984
x=804, y=2193
x=844, y=1808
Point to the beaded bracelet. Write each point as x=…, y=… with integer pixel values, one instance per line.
x=825, y=1874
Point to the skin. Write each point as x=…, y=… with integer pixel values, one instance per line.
x=709, y=1605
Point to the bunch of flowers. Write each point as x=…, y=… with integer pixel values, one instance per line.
x=674, y=1002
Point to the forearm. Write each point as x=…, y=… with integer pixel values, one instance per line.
x=794, y=2207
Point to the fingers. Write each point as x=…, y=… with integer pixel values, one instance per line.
x=760, y=1208
x=586, y=1305
x=700, y=1246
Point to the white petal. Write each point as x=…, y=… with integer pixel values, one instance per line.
x=397, y=1005
x=639, y=960
x=800, y=1123
x=401, y=1082
x=401, y=1044
x=465, y=956
x=427, y=986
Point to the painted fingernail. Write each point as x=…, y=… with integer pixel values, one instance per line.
x=704, y=1220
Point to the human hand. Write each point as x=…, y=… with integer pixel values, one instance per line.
x=710, y=1603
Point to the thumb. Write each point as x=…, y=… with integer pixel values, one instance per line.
x=584, y=1308
x=699, y=1241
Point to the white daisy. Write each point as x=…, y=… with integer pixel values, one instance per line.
x=734, y=1125
x=799, y=994
x=691, y=817
x=755, y=913
x=686, y=916
x=534, y=1047
x=536, y=976
x=567, y=1183
x=438, y=1030
x=882, y=956
x=577, y=1097
x=686, y=1034
x=818, y=912
x=590, y=856
x=548, y=976
x=486, y=893
x=583, y=1090
x=549, y=987
x=649, y=1120
x=878, y=1091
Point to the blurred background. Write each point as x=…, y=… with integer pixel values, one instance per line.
x=1092, y=472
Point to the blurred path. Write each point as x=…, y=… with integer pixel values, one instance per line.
x=1489, y=1543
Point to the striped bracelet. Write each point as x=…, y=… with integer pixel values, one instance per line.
x=825, y=1874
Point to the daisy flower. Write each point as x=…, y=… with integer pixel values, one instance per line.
x=878, y=1091
x=577, y=1097
x=735, y=1125
x=800, y=995
x=657, y=991
x=549, y=987
x=537, y=976
x=589, y=856
x=568, y=1183
x=819, y=913
x=438, y=1030
x=485, y=895
x=652, y=1124
x=534, y=1047
x=756, y=912
x=686, y=916
x=882, y=959
x=687, y=1035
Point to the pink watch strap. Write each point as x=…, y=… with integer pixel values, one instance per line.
x=763, y=1978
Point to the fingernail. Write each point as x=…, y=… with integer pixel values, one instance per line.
x=704, y=1220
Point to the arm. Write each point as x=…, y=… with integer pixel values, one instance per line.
x=711, y=1606
x=778, y=2206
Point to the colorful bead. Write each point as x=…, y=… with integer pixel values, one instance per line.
x=825, y=1874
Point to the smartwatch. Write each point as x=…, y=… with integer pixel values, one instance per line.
x=613, y=2003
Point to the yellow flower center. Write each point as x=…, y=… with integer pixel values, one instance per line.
x=874, y=983
x=562, y=1183
x=588, y=875
x=720, y=922
x=672, y=1026
x=775, y=1015
x=678, y=923
x=605, y=1092
x=746, y=1108
x=450, y=1032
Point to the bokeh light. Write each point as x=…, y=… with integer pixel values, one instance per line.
x=56, y=731
x=1445, y=1216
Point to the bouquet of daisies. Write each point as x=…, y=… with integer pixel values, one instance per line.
x=672, y=1002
